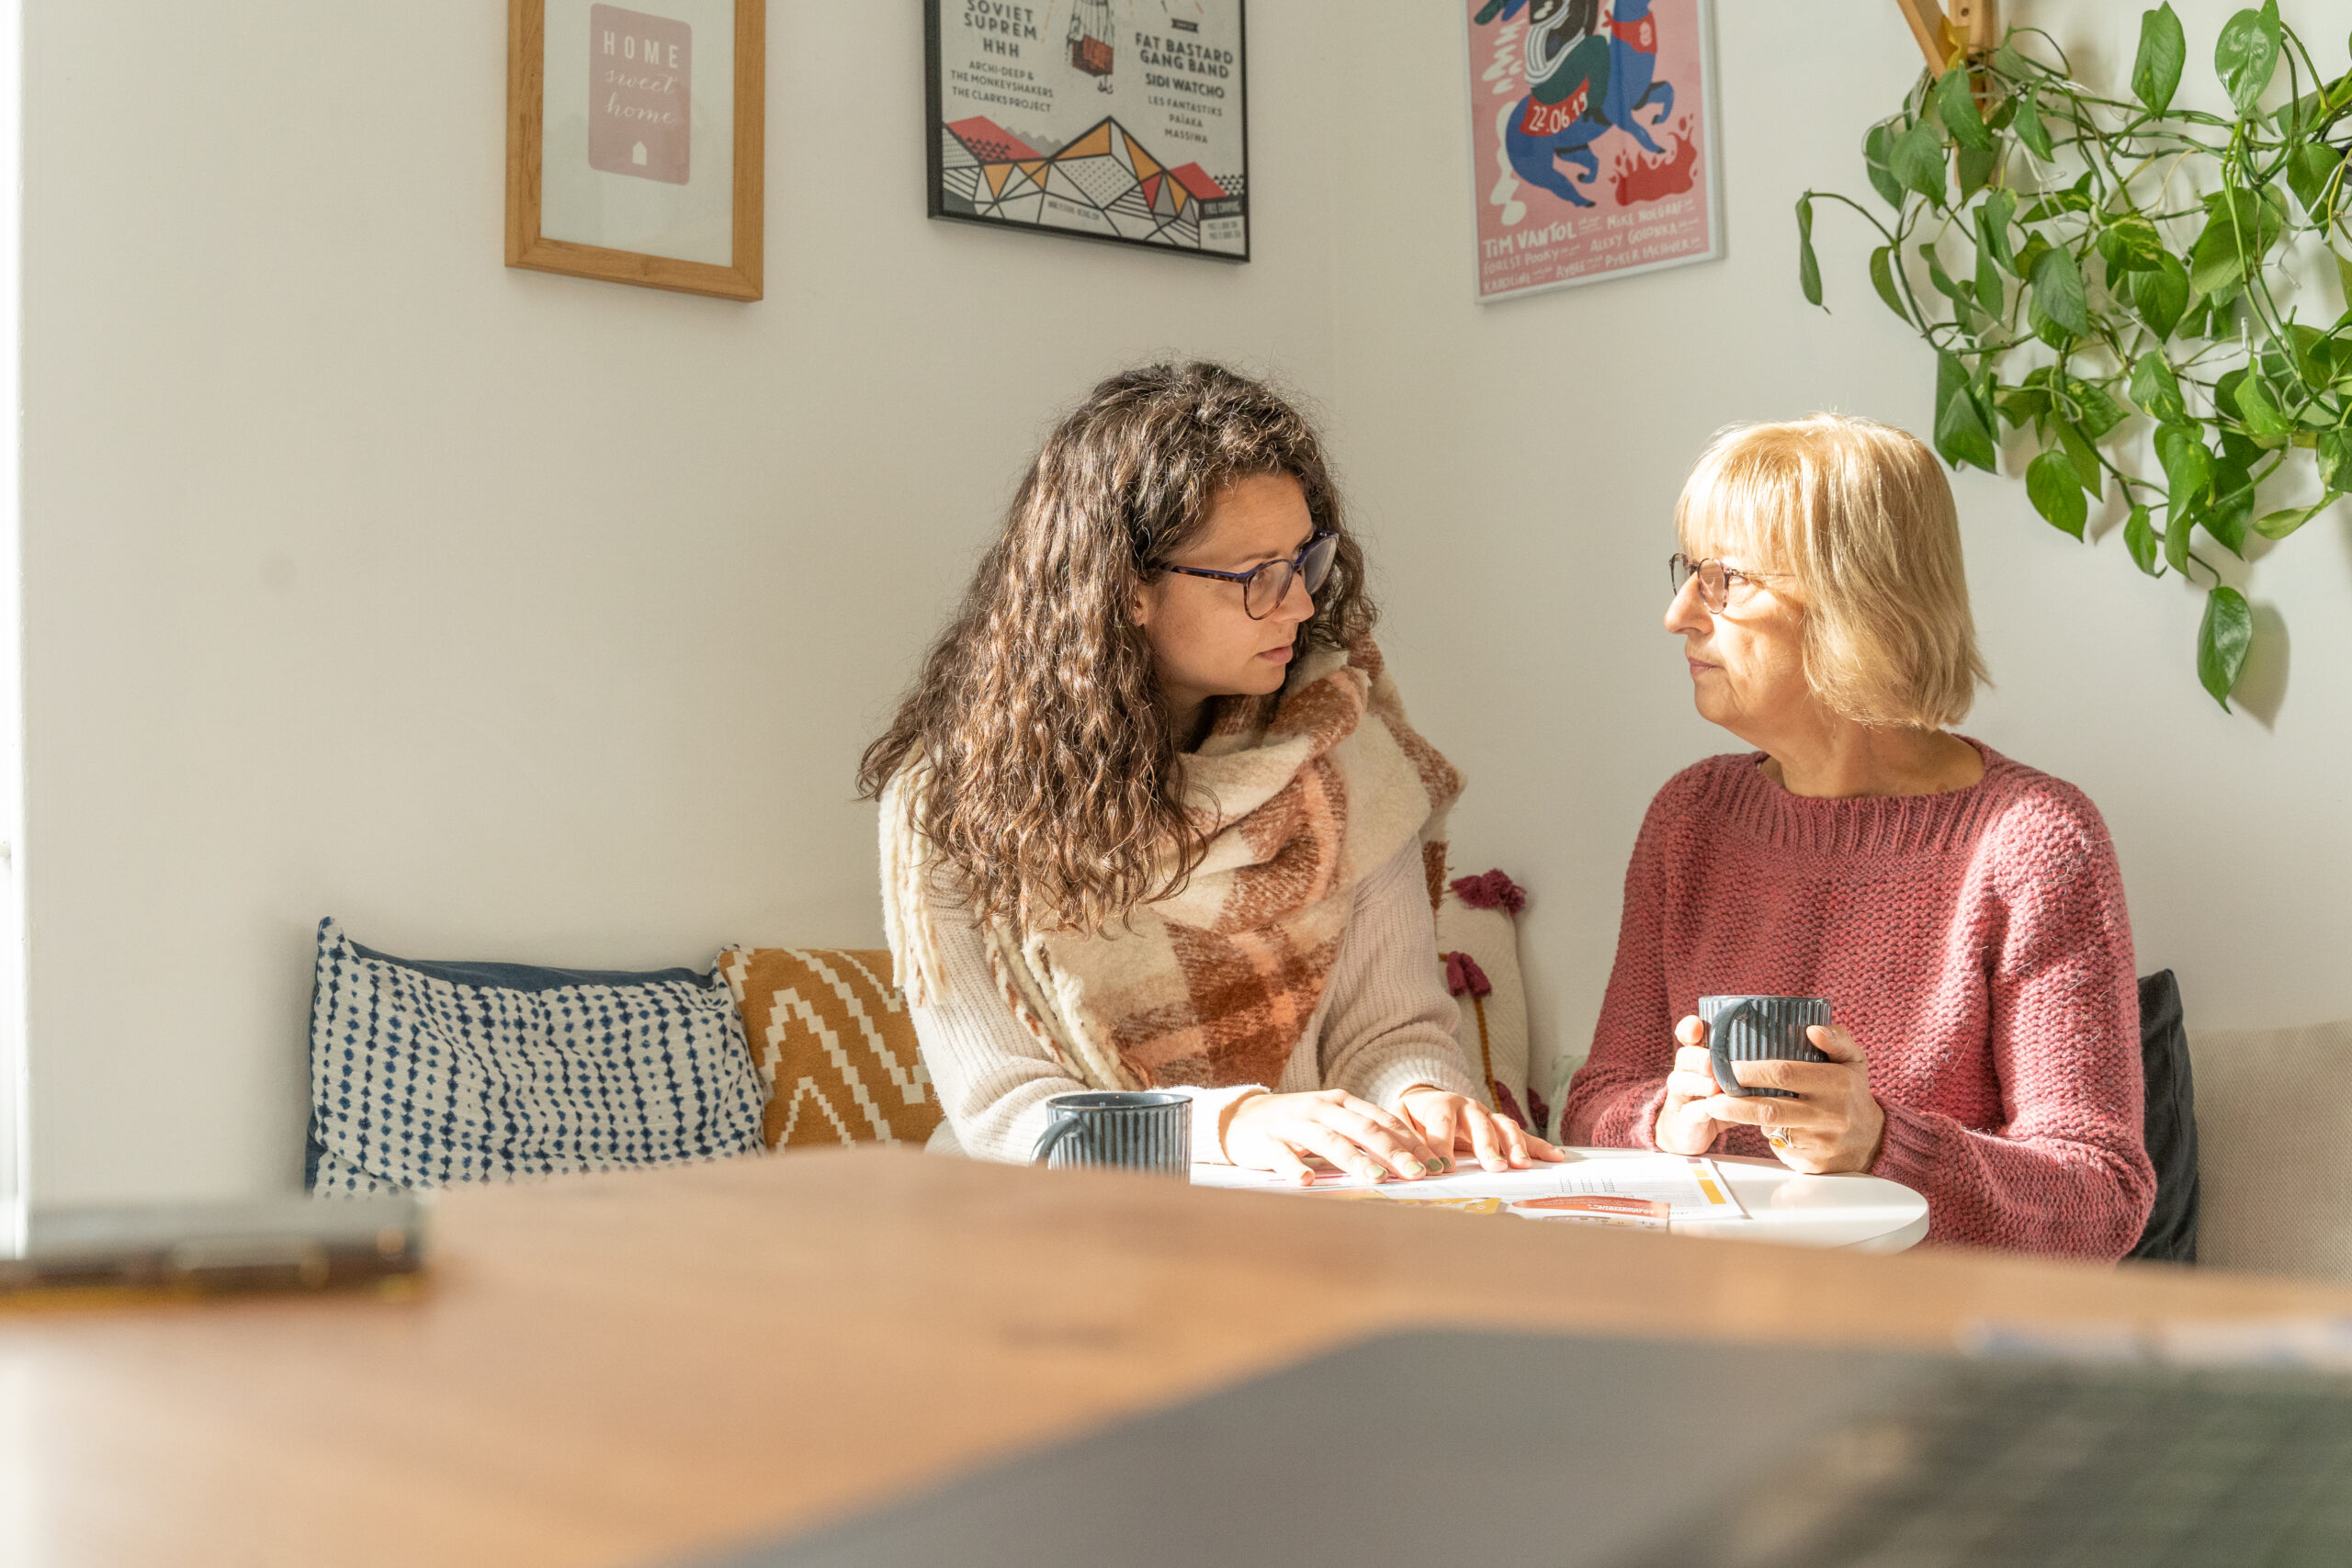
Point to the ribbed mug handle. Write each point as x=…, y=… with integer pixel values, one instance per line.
x=1719, y=1051
x=1053, y=1138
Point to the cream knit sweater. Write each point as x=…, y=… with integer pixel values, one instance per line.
x=1384, y=1024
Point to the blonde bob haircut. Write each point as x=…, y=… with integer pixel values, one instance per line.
x=1858, y=516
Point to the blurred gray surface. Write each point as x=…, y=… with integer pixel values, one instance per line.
x=1427, y=1447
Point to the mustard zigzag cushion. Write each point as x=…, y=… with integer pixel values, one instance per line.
x=834, y=1042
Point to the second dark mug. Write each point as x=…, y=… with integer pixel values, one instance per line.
x=1147, y=1130
x=1760, y=1029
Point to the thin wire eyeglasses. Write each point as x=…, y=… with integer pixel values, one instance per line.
x=1716, y=579
x=1263, y=588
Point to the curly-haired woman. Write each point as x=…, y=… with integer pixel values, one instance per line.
x=1962, y=911
x=1152, y=816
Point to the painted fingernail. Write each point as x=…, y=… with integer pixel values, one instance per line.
x=1435, y=1165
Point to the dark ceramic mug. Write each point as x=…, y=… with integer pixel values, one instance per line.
x=1760, y=1029
x=1148, y=1131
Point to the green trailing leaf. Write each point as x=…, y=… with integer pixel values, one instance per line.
x=2140, y=539
x=1883, y=279
x=2189, y=468
x=2057, y=204
x=1918, y=162
x=1944, y=282
x=2237, y=447
x=2335, y=460
x=2156, y=72
x=1808, y=264
x=2121, y=257
x=2312, y=357
x=2056, y=493
x=2160, y=294
x=2222, y=641
x=2278, y=525
x=2230, y=515
x=2316, y=111
x=2030, y=130
x=2095, y=408
x=2311, y=174
x=2130, y=244
x=2058, y=290
x=2247, y=55
x=2260, y=414
x=1993, y=216
x=1976, y=170
x=1956, y=101
x=1960, y=434
x=2179, y=527
x=1877, y=148
x=2022, y=406
x=2083, y=459
x=1990, y=293
x=2029, y=254
x=2239, y=231
x=2155, y=389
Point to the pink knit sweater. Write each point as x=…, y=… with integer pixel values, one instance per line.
x=1974, y=941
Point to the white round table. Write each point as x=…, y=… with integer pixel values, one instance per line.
x=1868, y=1213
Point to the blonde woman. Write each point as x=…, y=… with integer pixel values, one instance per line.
x=1152, y=816
x=1962, y=912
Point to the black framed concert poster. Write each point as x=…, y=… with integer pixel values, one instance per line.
x=1122, y=121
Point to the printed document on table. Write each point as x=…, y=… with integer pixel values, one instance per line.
x=1693, y=1186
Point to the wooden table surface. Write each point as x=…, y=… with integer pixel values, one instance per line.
x=622, y=1370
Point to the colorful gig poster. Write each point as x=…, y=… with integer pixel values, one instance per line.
x=1114, y=119
x=1592, y=132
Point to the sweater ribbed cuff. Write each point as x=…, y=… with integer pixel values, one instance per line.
x=1387, y=1084
x=1645, y=1119
x=1909, y=1151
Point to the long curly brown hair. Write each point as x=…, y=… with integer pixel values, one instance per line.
x=1053, y=790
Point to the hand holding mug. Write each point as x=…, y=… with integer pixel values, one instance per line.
x=1834, y=1123
x=1685, y=1126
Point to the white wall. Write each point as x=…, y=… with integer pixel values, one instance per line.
x=1519, y=463
x=498, y=614
x=511, y=616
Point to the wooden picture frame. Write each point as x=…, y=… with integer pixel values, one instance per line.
x=728, y=267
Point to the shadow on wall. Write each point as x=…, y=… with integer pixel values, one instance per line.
x=2262, y=684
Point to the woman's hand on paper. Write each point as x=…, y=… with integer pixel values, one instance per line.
x=1685, y=1126
x=1834, y=1124
x=1456, y=1124
x=1277, y=1132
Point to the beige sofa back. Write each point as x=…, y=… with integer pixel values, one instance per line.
x=2274, y=1143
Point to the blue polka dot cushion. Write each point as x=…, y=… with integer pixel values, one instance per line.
x=427, y=1073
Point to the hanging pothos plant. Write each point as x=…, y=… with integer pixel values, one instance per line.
x=2135, y=254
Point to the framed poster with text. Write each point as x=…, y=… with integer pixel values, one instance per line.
x=634, y=141
x=1123, y=121
x=1593, y=139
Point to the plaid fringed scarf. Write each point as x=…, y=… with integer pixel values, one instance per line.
x=1313, y=789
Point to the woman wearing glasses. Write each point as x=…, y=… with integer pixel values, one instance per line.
x=1962, y=912
x=1152, y=816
